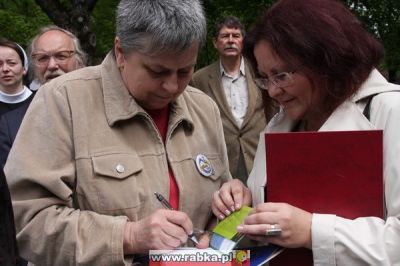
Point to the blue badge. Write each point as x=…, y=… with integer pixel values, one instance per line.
x=204, y=165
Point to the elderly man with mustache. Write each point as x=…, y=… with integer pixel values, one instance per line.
x=229, y=82
x=53, y=52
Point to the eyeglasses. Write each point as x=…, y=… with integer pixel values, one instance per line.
x=60, y=57
x=279, y=80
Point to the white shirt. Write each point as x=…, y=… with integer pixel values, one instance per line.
x=236, y=93
x=35, y=84
x=15, y=98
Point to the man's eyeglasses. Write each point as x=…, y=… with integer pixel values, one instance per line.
x=279, y=80
x=60, y=57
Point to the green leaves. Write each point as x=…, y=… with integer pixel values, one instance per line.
x=382, y=18
x=20, y=20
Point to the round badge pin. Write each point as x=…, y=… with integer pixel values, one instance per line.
x=204, y=165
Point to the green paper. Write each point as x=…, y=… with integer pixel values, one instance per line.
x=227, y=227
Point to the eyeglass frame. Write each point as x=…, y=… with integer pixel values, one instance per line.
x=263, y=83
x=50, y=55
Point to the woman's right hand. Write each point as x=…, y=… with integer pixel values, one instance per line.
x=231, y=196
x=163, y=229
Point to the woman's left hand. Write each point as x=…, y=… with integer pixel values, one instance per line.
x=295, y=224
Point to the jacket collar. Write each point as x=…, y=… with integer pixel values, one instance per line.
x=374, y=84
x=242, y=70
x=120, y=105
x=345, y=117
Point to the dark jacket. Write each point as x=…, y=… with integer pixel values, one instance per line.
x=9, y=125
x=8, y=242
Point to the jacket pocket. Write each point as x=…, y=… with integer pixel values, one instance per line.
x=118, y=166
x=116, y=183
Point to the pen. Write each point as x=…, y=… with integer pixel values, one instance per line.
x=166, y=205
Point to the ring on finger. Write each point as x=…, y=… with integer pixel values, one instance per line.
x=273, y=230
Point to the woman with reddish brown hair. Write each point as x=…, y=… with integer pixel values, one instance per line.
x=318, y=63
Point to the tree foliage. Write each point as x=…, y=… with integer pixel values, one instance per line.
x=246, y=11
x=19, y=20
x=75, y=16
x=382, y=18
x=91, y=20
x=94, y=22
x=103, y=24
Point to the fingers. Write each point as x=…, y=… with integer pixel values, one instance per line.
x=170, y=241
x=174, y=234
x=161, y=232
x=265, y=217
x=241, y=194
x=179, y=224
x=222, y=204
x=229, y=198
x=164, y=229
x=217, y=206
x=258, y=229
x=279, y=223
x=267, y=213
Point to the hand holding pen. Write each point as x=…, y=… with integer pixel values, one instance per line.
x=166, y=205
x=161, y=230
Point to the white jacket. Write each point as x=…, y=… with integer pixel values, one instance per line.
x=367, y=240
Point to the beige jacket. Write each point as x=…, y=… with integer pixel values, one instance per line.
x=209, y=80
x=87, y=158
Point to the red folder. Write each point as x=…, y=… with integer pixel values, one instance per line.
x=335, y=172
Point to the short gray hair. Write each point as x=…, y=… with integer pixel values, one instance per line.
x=81, y=56
x=156, y=26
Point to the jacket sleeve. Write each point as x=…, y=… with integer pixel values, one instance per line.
x=41, y=174
x=367, y=240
